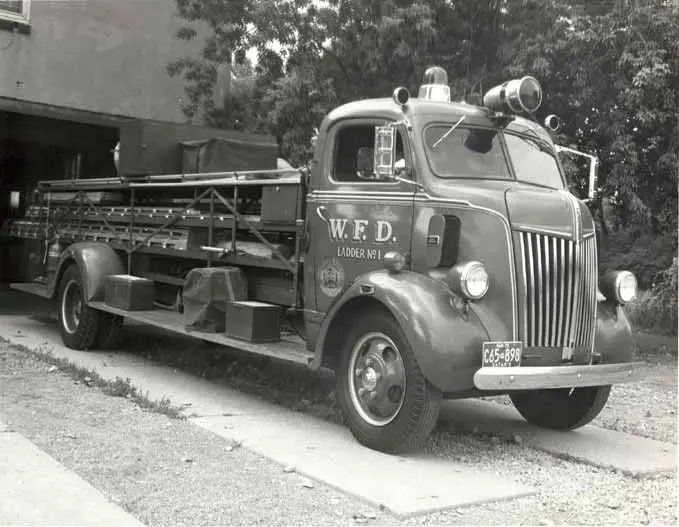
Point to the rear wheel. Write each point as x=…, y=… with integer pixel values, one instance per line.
x=387, y=403
x=78, y=323
x=561, y=409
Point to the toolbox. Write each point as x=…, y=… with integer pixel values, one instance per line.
x=130, y=293
x=253, y=321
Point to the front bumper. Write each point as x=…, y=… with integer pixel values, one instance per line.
x=547, y=377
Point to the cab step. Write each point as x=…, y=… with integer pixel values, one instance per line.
x=33, y=288
x=291, y=348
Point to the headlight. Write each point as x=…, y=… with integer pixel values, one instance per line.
x=469, y=280
x=620, y=286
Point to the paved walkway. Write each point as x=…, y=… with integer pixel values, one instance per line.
x=37, y=490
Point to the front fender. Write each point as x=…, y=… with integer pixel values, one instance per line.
x=613, y=339
x=446, y=342
x=95, y=262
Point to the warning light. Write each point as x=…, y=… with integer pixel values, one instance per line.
x=435, y=85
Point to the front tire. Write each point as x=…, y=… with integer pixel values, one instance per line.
x=78, y=323
x=387, y=403
x=561, y=409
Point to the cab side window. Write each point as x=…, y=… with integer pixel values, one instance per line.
x=355, y=155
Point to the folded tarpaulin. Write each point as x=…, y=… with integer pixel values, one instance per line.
x=206, y=293
x=221, y=154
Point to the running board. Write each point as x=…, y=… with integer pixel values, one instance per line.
x=33, y=288
x=289, y=348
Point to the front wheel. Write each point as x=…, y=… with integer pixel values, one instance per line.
x=79, y=324
x=386, y=401
x=563, y=408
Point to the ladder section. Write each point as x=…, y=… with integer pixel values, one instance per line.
x=253, y=219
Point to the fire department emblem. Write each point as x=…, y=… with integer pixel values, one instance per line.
x=331, y=277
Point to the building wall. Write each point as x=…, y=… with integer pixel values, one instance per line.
x=105, y=56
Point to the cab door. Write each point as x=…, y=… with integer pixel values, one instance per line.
x=355, y=217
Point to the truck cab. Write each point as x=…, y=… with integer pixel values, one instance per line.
x=461, y=230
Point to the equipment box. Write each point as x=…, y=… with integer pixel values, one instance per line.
x=280, y=203
x=130, y=293
x=253, y=321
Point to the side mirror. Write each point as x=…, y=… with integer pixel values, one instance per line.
x=593, y=170
x=385, y=151
x=593, y=177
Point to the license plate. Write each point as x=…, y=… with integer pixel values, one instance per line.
x=502, y=354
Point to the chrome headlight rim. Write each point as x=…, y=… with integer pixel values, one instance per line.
x=461, y=276
x=611, y=286
x=622, y=276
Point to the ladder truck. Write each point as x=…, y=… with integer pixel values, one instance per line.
x=430, y=250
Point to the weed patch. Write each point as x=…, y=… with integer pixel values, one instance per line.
x=115, y=388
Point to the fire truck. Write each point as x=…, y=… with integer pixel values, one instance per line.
x=431, y=250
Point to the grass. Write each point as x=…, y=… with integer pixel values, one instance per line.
x=651, y=346
x=655, y=310
x=115, y=388
x=650, y=314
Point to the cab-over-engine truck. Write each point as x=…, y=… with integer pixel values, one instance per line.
x=432, y=250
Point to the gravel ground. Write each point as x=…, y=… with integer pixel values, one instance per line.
x=168, y=472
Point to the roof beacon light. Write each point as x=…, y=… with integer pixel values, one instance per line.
x=435, y=85
x=515, y=96
x=401, y=96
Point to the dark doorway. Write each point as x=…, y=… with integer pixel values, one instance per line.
x=34, y=148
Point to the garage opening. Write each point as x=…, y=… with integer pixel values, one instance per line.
x=34, y=148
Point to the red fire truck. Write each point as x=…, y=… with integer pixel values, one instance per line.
x=432, y=250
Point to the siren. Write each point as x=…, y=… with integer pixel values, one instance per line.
x=515, y=96
x=553, y=123
x=435, y=85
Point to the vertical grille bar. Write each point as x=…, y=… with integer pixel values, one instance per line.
x=540, y=291
x=556, y=313
x=525, y=289
x=532, y=298
x=562, y=296
x=594, y=277
x=588, y=291
x=570, y=275
x=577, y=296
x=584, y=296
x=548, y=289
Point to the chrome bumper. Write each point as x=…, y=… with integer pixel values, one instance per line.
x=545, y=377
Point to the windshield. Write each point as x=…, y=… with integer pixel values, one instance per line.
x=465, y=152
x=533, y=161
x=457, y=152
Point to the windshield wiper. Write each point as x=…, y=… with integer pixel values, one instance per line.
x=538, y=141
x=452, y=128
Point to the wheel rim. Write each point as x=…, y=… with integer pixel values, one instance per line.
x=377, y=379
x=71, y=307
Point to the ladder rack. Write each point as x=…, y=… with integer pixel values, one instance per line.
x=287, y=176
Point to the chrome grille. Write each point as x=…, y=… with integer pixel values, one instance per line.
x=560, y=283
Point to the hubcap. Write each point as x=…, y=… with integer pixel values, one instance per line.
x=71, y=307
x=377, y=380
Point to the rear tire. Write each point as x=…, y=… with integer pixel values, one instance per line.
x=561, y=409
x=109, y=332
x=78, y=323
x=386, y=401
